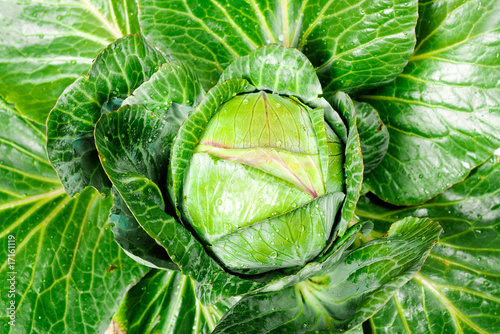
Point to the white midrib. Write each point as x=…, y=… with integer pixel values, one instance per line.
x=111, y=28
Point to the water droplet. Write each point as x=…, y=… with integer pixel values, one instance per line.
x=273, y=255
x=219, y=202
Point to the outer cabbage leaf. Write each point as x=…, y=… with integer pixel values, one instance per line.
x=46, y=45
x=294, y=72
x=116, y=73
x=344, y=296
x=373, y=136
x=65, y=255
x=139, y=141
x=353, y=165
x=133, y=239
x=443, y=111
x=165, y=302
x=457, y=289
x=353, y=45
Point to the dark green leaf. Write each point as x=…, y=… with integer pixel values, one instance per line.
x=116, y=73
x=46, y=45
x=457, y=290
x=134, y=240
x=443, y=112
x=352, y=45
x=373, y=136
x=137, y=144
x=174, y=82
x=342, y=298
x=69, y=272
x=165, y=302
x=118, y=140
x=356, y=45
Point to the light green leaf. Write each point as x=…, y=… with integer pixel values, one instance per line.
x=352, y=45
x=321, y=264
x=293, y=74
x=64, y=251
x=294, y=247
x=190, y=133
x=46, y=45
x=344, y=296
x=116, y=73
x=458, y=288
x=24, y=169
x=165, y=302
x=443, y=112
x=373, y=136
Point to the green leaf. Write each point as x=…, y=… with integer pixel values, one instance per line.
x=294, y=247
x=353, y=165
x=352, y=45
x=24, y=169
x=174, y=82
x=116, y=73
x=322, y=263
x=133, y=239
x=165, y=302
x=139, y=184
x=458, y=288
x=293, y=74
x=64, y=251
x=356, y=45
x=373, y=136
x=345, y=296
x=190, y=133
x=137, y=143
x=443, y=112
x=46, y=45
